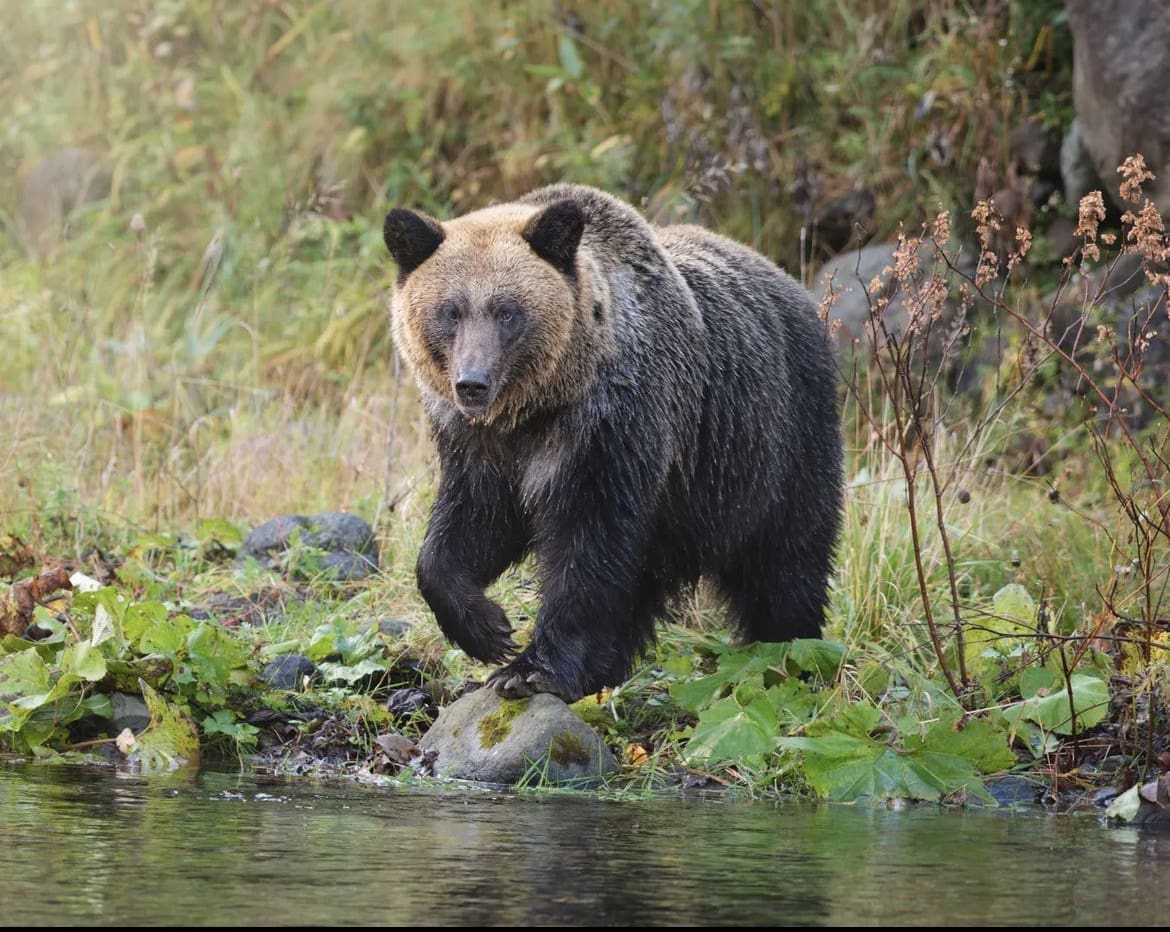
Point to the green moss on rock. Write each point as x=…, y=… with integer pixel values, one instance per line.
x=567, y=748
x=496, y=726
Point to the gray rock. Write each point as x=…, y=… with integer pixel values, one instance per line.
x=953, y=352
x=54, y=189
x=390, y=627
x=1078, y=174
x=130, y=711
x=288, y=671
x=411, y=700
x=850, y=275
x=344, y=542
x=1014, y=790
x=1119, y=296
x=488, y=739
x=394, y=627
x=1121, y=58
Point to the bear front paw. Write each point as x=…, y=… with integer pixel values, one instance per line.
x=483, y=634
x=526, y=676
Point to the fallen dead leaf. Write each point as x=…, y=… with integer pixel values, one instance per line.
x=125, y=741
x=18, y=603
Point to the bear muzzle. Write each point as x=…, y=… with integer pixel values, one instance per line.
x=475, y=390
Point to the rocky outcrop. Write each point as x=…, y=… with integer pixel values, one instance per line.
x=1121, y=63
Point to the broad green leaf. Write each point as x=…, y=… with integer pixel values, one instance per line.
x=220, y=530
x=793, y=702
x=843, y=760
x=214, y=654
x=1126, y=806
x=98, y=704
x=351, y=673
x=858, y=720
x=1014, y=610
x=155, y=632
x=751, y=665
x=224, y=722
x=21, y=674
x=846, y=768
x=1052, y=712
x=84, y=660
x=11, y=644
x=337, y=638
x=570, y=57
x=1038, y=681
x=678, y=665
x=169, y=742
x=37, y=717
x=697, y=694
x=820, y=658
x=1011, y=617
x=739, y=726
x=978, y=740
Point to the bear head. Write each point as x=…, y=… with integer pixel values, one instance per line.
x=500, y=313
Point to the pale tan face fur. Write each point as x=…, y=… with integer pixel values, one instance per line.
x=486, y=270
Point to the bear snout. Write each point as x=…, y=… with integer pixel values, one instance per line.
x=474, y=390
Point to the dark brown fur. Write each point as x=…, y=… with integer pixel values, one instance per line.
x=636, y=407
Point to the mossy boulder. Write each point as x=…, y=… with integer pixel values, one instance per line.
x=536, y=740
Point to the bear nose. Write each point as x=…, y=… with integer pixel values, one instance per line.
x=472, y=387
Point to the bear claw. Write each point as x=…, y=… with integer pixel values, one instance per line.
x=521, y=679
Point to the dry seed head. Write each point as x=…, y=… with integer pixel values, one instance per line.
x=934, y=296
x=941, y=232
x=878, y=282
x=1023, y=244
x=1147, y=233
x=1090, y=213
x=966, y=298
x=906, y=259
x=1135, y=173
x=827, y=302
x=985, y=222
x=988, y=262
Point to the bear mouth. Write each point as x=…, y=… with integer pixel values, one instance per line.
x=475, y=405
x=472, y=412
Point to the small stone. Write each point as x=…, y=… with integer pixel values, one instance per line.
x=130, y=711
x=288, y=671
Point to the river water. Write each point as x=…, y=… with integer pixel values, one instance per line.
x=82, y=846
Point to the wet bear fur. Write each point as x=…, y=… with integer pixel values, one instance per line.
x=635, y=407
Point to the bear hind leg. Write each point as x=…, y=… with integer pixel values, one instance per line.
x=776, y=589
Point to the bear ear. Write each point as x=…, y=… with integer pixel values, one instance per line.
x=411, y=237
x=555, y=233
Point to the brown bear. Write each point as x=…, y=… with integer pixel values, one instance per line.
x=636, y=407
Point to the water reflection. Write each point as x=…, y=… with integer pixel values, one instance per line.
x=85, y=846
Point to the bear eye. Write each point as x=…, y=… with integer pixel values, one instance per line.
x=508, y=311
x=450, y=312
